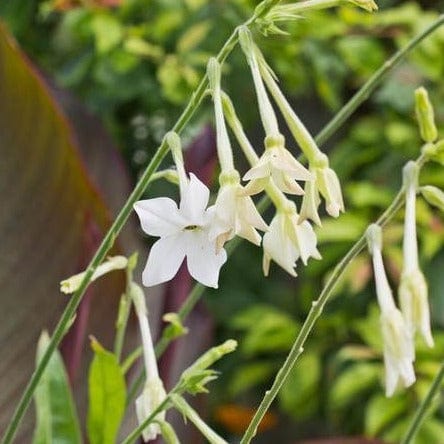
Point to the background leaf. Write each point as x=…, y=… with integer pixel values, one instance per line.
x=107, y=396
x=53, y=216
x=57, y=421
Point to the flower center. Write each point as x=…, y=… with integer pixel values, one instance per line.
x=192, y=227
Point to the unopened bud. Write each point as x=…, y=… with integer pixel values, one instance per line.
x=71, y=284
x=368, y=5
x=425, y=116
x=433, y=195
x=138, y=298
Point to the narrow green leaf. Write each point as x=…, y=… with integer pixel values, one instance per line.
x=352, y=382
x=56, y=417
x=107, y=396
x=382, y=411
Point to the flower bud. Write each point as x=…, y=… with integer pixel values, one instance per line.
x=330, y=188
x=71, y=284
x=152, y=395
x=368, y=5
x=433, y=195
x=425, y=116
x=413, y=298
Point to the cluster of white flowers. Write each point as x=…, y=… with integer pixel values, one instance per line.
x=198, y=233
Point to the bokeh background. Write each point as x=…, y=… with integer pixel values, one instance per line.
x=87, y=91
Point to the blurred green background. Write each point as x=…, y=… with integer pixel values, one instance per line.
x=135, y=63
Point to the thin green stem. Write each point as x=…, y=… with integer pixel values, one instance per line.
x=123, y=315
x=350, y=107
x=141, y=427
x=117, y=226
x=424, y=407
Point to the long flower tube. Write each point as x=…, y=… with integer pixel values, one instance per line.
x=234, y=211
x=276, y=162
x=399, y=351
x=153, y=393
x=413, y=293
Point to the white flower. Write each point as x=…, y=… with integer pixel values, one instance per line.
x=287, y=240
x=413, y=298
x=183, y=232
x=280, y=165
x=153, y=393
x=310, y=203
x=328, y=184
x=399, y=352
x=236, y=214
x=413, y=294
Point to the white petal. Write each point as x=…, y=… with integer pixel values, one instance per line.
x=203, y=262
x=250, y=214
x=306, y=239
x=259, y=171
x=284, y=161
x=165, y=258
x=159, y=217
x=285, y=183
x=194, y=200
x=279, y=247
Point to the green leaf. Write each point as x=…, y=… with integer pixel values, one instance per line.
x=250, y=375
x=381, y=411
x=51, y=219
x=56, y=416
x=298, y=396
x=193, y=37
x=107, y=396
x=352, y=382
x=108, y=32
x=347, y=227
x=276, y=333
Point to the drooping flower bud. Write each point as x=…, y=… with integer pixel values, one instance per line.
x=433, y=195
x=153, y=392
x=71, y=284
x=399, y=351
x=413, y=293
x=425, y=115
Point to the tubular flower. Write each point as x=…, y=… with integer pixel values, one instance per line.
x=413, y=293
x=399, y=351
x=235, y=214
x=287, y=240
x=279, y=164
x=276, y=162
x=184, y=232
x=153, y=392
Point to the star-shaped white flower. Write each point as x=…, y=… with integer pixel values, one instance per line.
x=183, y=232
x=280, y=165
x=236, y=214
x=287, y=240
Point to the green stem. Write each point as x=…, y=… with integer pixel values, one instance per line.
x=117, y=226
x=424, y=407
x=123, y=315
x=373, y=82
x=141, y=427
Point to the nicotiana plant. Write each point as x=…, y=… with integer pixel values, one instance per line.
x=203, y=231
